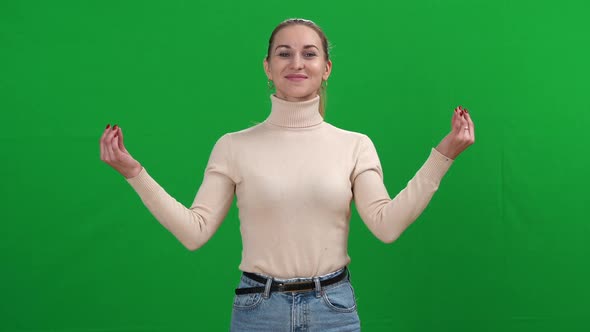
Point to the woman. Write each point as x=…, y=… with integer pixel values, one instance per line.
x=294, y=176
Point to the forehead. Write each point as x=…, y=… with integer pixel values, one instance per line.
x=297, y=36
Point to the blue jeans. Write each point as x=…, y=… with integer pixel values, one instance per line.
x=328, y=308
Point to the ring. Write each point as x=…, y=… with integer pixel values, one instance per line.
x=466, y=128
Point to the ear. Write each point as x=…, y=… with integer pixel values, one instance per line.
x=328, y=70
x=267, y=68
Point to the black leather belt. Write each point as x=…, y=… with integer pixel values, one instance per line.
x=277, y=286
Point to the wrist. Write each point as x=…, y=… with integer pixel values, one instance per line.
x=443, y=149
x=133, y=172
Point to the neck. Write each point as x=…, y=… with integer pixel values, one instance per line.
x=295, y=114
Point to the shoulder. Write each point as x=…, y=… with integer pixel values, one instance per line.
x=348, y=135
x=360, y=144
x=255, y=129
x=239, y=135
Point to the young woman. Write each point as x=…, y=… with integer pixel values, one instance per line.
x=294, y=176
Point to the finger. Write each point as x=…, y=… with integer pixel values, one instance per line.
x=102, y=142
x=464, y=124
x=109, y=145
x=471, y=125
x=457, y=121
x=120, y=140
x=115, y=144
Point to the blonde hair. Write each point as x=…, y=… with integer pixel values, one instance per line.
x=325, y=45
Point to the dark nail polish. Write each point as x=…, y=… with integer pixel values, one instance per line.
x=115, y=127
x=108, y=125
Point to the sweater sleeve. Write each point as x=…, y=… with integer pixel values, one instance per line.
x=387, y=218
x=193, y=226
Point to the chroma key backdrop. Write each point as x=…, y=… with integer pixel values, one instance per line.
x=503, y=245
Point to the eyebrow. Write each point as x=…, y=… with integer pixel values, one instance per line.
x=304, y=47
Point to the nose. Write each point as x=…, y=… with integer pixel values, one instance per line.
x=297, y=62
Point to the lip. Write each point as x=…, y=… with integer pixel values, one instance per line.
x=296, y=77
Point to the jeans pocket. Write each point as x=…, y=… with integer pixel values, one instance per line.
x=247, y=301
x=340, y=297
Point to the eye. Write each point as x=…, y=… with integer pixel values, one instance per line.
x=310, y=54
x=284, y=54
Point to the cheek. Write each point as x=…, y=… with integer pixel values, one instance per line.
x=276, y=68
x=318, y=67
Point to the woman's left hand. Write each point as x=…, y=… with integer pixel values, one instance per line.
x=462, y=134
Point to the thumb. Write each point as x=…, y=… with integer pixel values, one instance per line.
x=456, y=123
x=120, y=140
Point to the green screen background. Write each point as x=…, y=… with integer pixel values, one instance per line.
x=501, y=247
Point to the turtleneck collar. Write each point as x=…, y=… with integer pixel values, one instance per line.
x=298, y=114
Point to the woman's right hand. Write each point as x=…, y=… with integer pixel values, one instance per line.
x=114, y=153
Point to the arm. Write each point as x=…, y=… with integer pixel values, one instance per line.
x=193, y=226
x=388, y=218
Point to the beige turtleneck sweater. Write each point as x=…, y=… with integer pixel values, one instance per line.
x=294, y=177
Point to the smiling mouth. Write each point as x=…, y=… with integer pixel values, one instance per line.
x=296, y=78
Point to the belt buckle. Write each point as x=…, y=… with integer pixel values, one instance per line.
x=292, y=286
